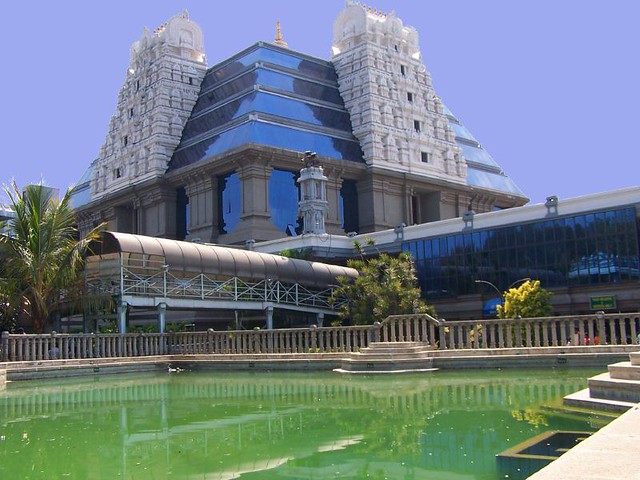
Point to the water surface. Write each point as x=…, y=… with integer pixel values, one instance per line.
x=196, y=425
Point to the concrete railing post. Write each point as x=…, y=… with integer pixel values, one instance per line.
x=5, y=346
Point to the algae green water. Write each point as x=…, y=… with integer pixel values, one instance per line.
x=198, y=425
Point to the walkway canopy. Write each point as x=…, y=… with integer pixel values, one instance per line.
x=140, y=251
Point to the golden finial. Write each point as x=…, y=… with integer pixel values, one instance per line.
x=279, y=41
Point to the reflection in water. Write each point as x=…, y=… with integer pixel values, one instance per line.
x=223, y=426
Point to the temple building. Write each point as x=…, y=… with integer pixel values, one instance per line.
x=213, y=154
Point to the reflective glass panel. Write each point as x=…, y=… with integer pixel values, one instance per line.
x=604, y=250
x=477, y=154
x=264, y=102
x=270, y=135
x=494, y=181
x=462, y=132
x=283, y=201
x=349, y=206
x=229, y=202
x=304, y=66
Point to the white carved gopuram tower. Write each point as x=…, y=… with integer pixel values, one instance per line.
x=395, y=112
x=159, y=92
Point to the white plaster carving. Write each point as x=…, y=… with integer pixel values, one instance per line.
x=377, y=98
x=161, y=87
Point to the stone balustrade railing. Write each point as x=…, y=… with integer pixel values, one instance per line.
x=21, y=347
x=611, y=329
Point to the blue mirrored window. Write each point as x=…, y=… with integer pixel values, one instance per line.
x=229, y=202
x=349, y=206
x=283, y=201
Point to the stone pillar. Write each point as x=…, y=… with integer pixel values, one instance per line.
x=255, y=219
x=333, y=222
x=269, y=314
x=162, y=314
x=159, y=213
x=203, y=208
x=122, y=316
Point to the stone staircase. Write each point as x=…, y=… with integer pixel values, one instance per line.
x=616, y=390
x=389, y=357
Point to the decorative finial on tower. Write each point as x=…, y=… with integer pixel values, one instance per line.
x=279, y=41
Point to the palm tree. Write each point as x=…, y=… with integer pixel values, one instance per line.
x=41, y=258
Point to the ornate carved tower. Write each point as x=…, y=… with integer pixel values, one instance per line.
x=395, y=112
x=313, y=205
x=159, y=92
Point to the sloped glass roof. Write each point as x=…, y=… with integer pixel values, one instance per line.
x=81, y=194
x=492, y=181
x=269, y=97
x=483, y=171
x=271, y=134
x=269, y=103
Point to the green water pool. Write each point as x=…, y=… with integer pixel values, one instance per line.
x=199, y=425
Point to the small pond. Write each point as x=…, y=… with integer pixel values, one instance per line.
x=255, y=425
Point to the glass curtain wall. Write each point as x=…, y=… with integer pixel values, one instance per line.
x=592, y=248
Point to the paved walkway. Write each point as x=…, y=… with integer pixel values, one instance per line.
x=612, y=453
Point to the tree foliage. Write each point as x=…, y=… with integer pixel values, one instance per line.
x=528, y=300
x=386, y=286
x=41, y=259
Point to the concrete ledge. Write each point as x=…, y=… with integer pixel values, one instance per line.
x=609, y=454
x=382, y=372
x=594, y=356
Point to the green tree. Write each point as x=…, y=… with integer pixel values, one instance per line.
x=41, y=258
x=528, y=300
x=386, y=285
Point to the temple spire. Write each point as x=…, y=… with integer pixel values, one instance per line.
x=279, y=41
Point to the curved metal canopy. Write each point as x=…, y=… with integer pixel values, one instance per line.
x=227, y=261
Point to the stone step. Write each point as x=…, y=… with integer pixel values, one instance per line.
x=397, y=345
x=355, y=357
x=409, y=364
x=583, y=399
x=404, y=351
x=635, y=358
x=605, y=387
x=624, y=371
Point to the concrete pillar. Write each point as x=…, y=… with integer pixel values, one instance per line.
x=320, y=319
x=269, y=312
x=122, y=316
x=162, y=313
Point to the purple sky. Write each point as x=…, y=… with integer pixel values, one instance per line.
x=550, y=88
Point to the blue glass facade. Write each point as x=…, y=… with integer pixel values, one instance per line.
x=592, y=248
x=229, y=202
x=283, y=201
x=348, y=206
x=268, y=97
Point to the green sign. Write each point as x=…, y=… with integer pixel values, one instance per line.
x=607, y=302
